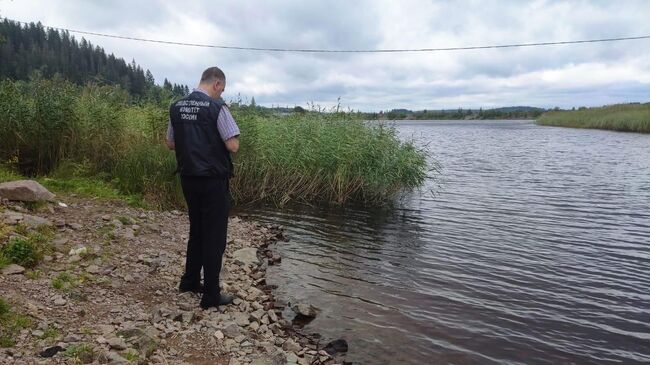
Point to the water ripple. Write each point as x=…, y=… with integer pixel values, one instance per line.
x=535, y=249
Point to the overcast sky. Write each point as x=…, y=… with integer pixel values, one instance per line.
x=562, y=75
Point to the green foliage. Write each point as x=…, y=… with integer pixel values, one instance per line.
x=82, y=352
x=131, y=355
x=51, y=335
x=10, y=324
x=64, y=281
x=7, y=174
x=27, y=251
x=623, y=117
x=22, y=252
x=147, y=169
x=97, y=144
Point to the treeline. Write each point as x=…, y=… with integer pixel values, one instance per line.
x=460, y=113
x=26, y=51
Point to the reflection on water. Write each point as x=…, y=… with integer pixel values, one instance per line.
x=535, y=250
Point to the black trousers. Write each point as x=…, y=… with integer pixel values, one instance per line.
x=208, y=202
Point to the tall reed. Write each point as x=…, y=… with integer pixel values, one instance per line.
x=52, y=127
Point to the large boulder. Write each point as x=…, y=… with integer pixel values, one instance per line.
x=13, y=269
x=25, y=190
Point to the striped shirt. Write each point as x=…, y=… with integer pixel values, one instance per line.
x=225, y=124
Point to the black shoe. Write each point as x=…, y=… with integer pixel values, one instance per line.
x=194, y=288
x=224, y=299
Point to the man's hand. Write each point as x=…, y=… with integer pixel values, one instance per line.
x=232, y=144
x=170, y=144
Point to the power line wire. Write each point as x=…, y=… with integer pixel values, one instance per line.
x=307, y=50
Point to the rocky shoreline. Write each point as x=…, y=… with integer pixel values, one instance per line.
x=106, y=292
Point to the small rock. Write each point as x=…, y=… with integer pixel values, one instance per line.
x=59, y=301
x=93, y=269
x=231, y=330
x=336, y=346
x=219, y=335
x=292, y=358
x=241, y=319
x=79, y=251
x=246, y=255
x=74, y=258
x=305, y=309
x=291, y=346
x=35, y=222
x=272, y=316
x=75, y=226
x=117, y=343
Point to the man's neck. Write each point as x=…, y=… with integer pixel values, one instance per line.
x=202, y=89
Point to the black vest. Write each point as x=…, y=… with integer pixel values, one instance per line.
x=200, y=151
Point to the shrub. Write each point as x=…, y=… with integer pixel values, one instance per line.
x=22, y=252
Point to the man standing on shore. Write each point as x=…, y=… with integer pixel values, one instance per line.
x=203, y=133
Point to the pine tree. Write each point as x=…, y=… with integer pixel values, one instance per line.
x=31, y=48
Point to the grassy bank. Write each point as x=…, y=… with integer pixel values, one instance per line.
x=84, y=136
x=624, y=118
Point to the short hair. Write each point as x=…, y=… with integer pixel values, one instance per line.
x=212, y=74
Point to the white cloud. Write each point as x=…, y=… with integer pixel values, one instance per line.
x=571, y=75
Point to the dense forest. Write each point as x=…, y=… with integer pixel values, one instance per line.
x=31, y=50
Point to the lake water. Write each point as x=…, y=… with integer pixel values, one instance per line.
x=534, y=249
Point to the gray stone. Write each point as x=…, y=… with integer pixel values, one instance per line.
x=257, y=315
x=292, y=358
x=93, y=269
x=241, y=319
x=231, y=330
x=291, y=346
x=74, y=258
x=305, y=309
x=276, y=359
x=11, y=218
x=13, y=269
x=117, y=343
x=246, y=255
x=272, y=316
x=147, y=345
x=25, y=190
x=110, y=357
x=75, y=226
x=33, y=221
x=106, y=328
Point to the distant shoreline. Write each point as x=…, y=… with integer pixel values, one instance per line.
x=622, y=118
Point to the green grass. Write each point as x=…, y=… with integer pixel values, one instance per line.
x=11, y=323
x=27, y=251
x=623, y=117
x=81, y=353
x=51, y=335
x=64, y=281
